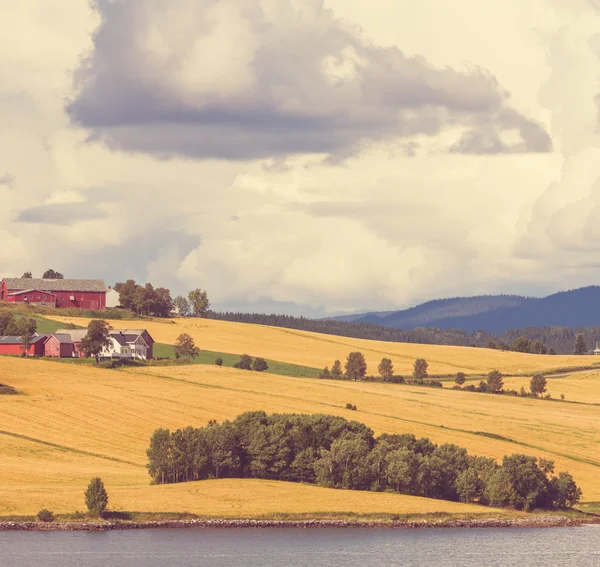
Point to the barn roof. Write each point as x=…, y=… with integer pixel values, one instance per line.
x=74, y=334
x=31, y=291
x=12, y=340
x=63, y=339
x=22, y=284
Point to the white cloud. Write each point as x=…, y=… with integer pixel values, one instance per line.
x=367, y=228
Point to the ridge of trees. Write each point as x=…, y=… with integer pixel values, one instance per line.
x=535, y=340
x=331, y=451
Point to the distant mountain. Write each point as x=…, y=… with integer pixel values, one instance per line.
x=495, y=313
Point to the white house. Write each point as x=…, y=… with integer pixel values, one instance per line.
x=112, y=298
x=129, y=343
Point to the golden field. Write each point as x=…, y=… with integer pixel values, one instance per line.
x=318, y=350
x=73, y=422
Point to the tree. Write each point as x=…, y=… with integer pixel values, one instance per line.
x=495, y=382
x=199, y=302
x=356, y=366
x=219, y=361
x=460, y=378
x=26, y=340
x=260, y=365
x=182, y=305
x=325, y=374
x=185, y=347
x=420, y=369
x=127, y=291
x=565, y=493
x=97, y=339
x=96, y=497
x=386, y=369
x=537, y=385
x=521, y=344
x=244, y=363
x=580, y=346
x=52, y=275
x=336, y=369
x=27, y=275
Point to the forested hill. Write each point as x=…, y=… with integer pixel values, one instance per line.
x=496, y=314
x=560, y=340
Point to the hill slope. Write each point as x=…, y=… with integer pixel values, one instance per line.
x=497, y=314
x=318, y=350
x=75, y=422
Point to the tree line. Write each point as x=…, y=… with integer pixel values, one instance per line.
x=537, y=340
x=333, y=452
x=148, y=300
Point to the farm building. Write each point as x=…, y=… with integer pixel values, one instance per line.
x=14, y=345
x=127, y=343
x=78, y=294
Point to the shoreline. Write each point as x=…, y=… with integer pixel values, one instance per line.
x=526, y=522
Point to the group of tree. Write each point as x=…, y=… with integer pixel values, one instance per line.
x=148, y=300
x=331, y=451
x=535, y=340
x=144, y=300
x=495, y=384
x=354, y=369
x=47, y=275
x=246, y=362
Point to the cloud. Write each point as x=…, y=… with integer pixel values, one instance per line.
x=64, y=214
x=8, y=180
x=265, y=79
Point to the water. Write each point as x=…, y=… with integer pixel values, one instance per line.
x=304, y=547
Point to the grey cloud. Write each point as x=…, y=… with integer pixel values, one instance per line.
x=8, y=179
x=130, y=99
x=63, y=214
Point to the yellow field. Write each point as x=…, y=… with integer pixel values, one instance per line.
x=318, y=350
x=577, y=387
x=74, y=422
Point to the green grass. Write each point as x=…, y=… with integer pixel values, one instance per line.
x=208, y=357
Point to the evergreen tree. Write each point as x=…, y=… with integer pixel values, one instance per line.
x=336, y=369
x=325, y=374
x=96, y=497
x=580, y=346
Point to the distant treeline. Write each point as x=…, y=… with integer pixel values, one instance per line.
x=542, y=340
x=334, y=452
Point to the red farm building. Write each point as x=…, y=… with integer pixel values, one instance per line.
x=14, y=345
x=78, y=294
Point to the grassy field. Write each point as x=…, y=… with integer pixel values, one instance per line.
x=317, y=350
x=74, y=422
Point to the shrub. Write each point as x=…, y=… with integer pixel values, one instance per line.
x=351, y=407
x=398, y=380
x=45, y=516
x=7, y=390
x=470, y=388
x=260, y=365
x=460, y=378
x=219, y=361
x=96, y=497
x=244, y=363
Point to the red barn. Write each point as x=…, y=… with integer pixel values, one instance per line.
x=60, y=346
x=14, y=345
x=80, y=294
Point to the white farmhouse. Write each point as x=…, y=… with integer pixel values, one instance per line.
x=129, y=343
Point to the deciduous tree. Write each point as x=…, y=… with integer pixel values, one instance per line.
x=52, y=275
x=244, y=363
x=537, y=385
x=356, y=366
x=199, y=302
x=27, y=275
x=97, y=339
x=260, y=365
x=495, y=382
x=96, y=497
x=185, y=347
x=460, y=378
x=182, y=305
x=386, y=369
x=420, y=369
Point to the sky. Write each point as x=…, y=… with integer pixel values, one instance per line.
x=303, y=156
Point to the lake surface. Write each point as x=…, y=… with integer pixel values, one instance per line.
x=551, y=547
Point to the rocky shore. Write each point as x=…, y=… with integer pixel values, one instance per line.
x=547, y=521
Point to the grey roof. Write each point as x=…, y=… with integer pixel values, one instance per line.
x=54, y=285
x=124, y=337
x=64, y=339
x=13, y=340
x=75, y=334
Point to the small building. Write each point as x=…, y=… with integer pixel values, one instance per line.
x=14, y=345
x=113, y=298
x=126, y=343
x=597, y=349
x=78, y=294
x=61, y=346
